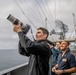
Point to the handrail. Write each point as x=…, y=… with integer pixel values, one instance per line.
x=13, y=68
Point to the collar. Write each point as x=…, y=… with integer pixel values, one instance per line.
x=42, y=41
x=65, y=53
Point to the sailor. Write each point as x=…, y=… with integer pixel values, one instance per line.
x=66, y=63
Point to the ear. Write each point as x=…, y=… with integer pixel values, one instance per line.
x=68, y=46
x=45, y=35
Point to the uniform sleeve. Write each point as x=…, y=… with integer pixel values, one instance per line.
x=54, y=54
x=54, y=51
x=72, y=60
x=33, y=47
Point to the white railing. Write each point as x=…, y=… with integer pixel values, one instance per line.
x=8, y=71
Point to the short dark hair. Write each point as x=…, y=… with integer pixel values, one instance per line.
x=66, y=41
x=58, y=42
x=45, y=31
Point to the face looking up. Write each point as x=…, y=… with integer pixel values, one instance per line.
x=40, y=35
x=64, y=45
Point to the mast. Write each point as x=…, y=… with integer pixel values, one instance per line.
x=75, y=27
x=46, y=23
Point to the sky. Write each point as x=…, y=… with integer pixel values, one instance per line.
x=34, y=13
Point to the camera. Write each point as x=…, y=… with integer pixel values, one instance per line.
x=25, y=28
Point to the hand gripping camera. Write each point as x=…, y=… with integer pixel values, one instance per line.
x=25, y=28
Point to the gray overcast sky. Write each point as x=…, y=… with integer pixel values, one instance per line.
x=36, y=11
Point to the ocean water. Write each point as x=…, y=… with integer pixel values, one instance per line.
x=11, y=58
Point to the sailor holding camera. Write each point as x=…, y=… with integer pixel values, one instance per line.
x=38, y=50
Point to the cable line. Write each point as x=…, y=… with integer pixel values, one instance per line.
x=36, y=16
x=39, y=12
x=49, y=18
x=49, y=11
x=24, y=12
x=60, y=8
x=55, y=8
x=43, y=12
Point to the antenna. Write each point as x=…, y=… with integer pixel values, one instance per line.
x=62, y=29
